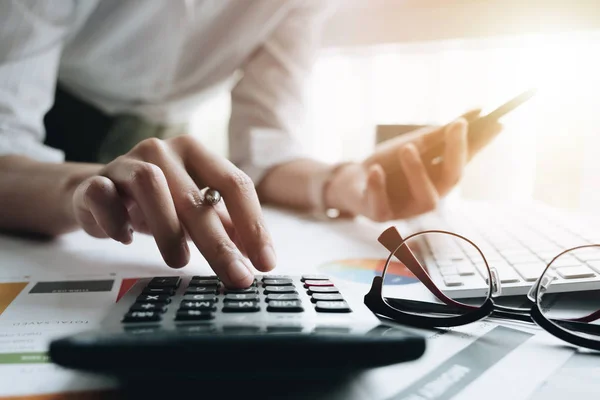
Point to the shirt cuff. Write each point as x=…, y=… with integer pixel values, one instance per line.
x=18, y=144
x=267, y=149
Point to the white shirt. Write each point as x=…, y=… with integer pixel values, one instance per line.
x=158, y=58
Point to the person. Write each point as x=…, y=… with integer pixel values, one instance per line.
x=94, y=102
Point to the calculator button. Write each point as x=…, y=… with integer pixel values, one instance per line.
x=278, y=282
x=153, y=298
x=242, y=291
x=193, y=315
x=141, y=316
x=207, y=277
x=241, y=306
x=326, y=297
x=200, y=297
x=324, y=289
x=204, y=282
x=198, y=305
x=267, y=277
x=332, y=306
x=158, y=307
x=314, y=278
x=167, y=291
x=241, y=296
x=202, y=290
x=282, y=296
x=241, y=329
x=309, y=283
x=165, y=281
x=285, y=306
x=280, y=289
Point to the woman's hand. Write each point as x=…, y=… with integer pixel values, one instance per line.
x=374, y=189
x=156, y=188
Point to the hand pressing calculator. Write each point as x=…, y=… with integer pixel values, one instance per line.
x=195, y=325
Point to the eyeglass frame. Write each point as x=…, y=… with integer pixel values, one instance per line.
x=393, y=242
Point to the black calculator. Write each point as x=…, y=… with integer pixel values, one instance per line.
x=195, y=325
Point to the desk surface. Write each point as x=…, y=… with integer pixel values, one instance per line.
x=454, y=364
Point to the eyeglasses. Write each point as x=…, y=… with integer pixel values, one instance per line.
x=406, y=291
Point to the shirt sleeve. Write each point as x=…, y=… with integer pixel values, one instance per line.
x=268, y=102
x=31, y=38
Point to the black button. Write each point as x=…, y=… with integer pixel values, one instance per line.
x=241, y=296
x=207, y=277
x=165, y=281
x=202, y=290
x=332, y=306
x=204, y=282
x=314, y=278
x=242, y=291
x=282, y=296
x=158, y=307
x=241, y=306
x=278, y=282
x=325, y=289
x=326, y=297
x=322, y=283
x=285, y=306
x=280, y=289
x=198, y=305
x=196, y=328
x=153, y=298
x=200, y=297
x=284, y=328
x=141, y=316
x=266, y=277
x=166, y=291
x=193, y=315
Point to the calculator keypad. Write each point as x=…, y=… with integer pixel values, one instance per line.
x=202, y=298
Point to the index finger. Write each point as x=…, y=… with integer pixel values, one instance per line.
x=241, y=199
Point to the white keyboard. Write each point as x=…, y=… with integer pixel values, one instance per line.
x=519, y=242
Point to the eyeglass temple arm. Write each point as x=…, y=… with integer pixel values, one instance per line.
x=391, y=239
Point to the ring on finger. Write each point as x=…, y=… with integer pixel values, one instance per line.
x=211, y=197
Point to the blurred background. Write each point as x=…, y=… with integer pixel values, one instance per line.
x=428, y=61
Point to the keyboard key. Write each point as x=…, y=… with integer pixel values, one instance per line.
x=251, y=289
x=165, y=291
x=314, y=278
x=508, y=276
x=326, y=297
x=204, y=282
x=595, y=265
x=198, y=305
x=241, y=296
x=280, y=289
x=193, y=315
x=309, y=283
x=165, y=281
x=449, y=270
x=282, y=296
x=566, y=261
x=200, y=297
x=278, y=282
x=202, y=290
x=332, y=306
x=285, y=306
x=325, y=289
x=530, y=272
x=452, y=280
x=142, y=316
x=153, y=298
x=158, y=307
x=241, y=306
x=575, y=272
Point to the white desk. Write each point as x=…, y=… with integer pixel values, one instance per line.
x=29, y=322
